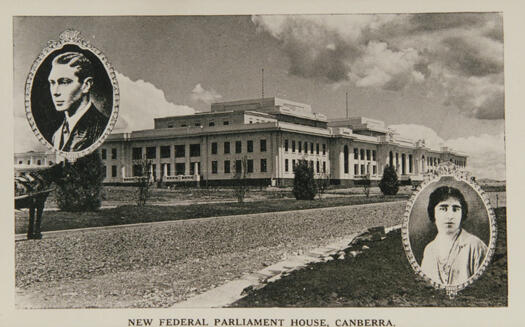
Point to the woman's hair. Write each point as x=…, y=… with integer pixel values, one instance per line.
x=441, y=194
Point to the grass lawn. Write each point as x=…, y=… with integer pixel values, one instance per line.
x=381, y=276
x=130, y=214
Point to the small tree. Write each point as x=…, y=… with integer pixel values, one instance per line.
x=241, y=181
x=323, y=182
x=365, y=180
x=79, y=184
x=304, y=186
x=389, y=183
x=143, y=181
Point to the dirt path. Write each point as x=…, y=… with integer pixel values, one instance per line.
x=157, y=265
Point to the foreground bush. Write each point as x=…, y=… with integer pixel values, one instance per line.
x=79, y=187
x=389, y=183
x=304, y=186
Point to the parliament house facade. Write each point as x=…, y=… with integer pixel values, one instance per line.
x=271, y=135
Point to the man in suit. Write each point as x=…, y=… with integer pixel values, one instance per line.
x=70, y=83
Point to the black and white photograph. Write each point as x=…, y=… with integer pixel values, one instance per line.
x=450, y=228
x=259, y=160
x=70, y=95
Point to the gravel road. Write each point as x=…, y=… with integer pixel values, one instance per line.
x=157, y=265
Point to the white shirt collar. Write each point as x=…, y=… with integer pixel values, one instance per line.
x=73, y=120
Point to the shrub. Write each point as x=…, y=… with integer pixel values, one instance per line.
x=241, y=181
x=365, y=182
x=144, y=181
x=304, y=186
x=389, y=183
x=79, y=186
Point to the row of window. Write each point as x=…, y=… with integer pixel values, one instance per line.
x=303, y=146
x=195, y=150
x=360, y=154
x=311, y=163
x=38, y=162
x=237, y=166
x=238, y=147
x=197, y=124
x=113, y=154
x=113, y=171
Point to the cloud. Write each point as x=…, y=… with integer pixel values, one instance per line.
x=486, y=153
x=207, y=96
x=141, y=102
x=393, y=52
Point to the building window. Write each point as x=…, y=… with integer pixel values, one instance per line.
x=250, y=165
x=293, y=164
x=151, y=152
x=183, y=125
x=137, y=170
x=374, y=169
x=263, y=145
x=311, y=148
x=324, y=149
x=263, y=166
x=249, y=146
x=362, y=154
x=367, y=154
x=317, y=167
x=104, y=173
x=214, y=148
x=346, y=154
x=165, y=151
x=356, y=154
x=286, y=145
x=211, y=124
x=195, y=150
x=410, y=168
x=103, y=154
x=238, y=147
x=362, y=169
x=39, y=162
x=114, y=153
x=238, y=166
x=293, y=146
x=20, y=162
x=180, y=168
x=226, y=122
x=137, y=154
x=374, y=155
x=356, y=169
x=171, y=125
x=180, y=151
x=324, y=166
x=214, y=167
x=197, y=124
x=300, y=146
x=227, y=166
x=285, y=164
x=28, y=162
x=192, y=168
x=316, y=148
x=226, y=147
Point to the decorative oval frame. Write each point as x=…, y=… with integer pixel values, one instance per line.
x=71, y=38
x=449, y=170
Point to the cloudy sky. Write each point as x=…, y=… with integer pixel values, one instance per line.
x=432, y=76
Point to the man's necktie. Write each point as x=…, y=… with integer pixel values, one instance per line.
x=65, y=135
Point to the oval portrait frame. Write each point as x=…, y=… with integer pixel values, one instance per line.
x=444, y=176
x=69, y=39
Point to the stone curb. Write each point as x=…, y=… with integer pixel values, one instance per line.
x=233, y=291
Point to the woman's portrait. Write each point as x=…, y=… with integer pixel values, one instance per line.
x=449, y=232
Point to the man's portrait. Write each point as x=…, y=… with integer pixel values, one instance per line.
x=72, y=100
x=449, y=232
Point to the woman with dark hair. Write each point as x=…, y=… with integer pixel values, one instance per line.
x=454, y=255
